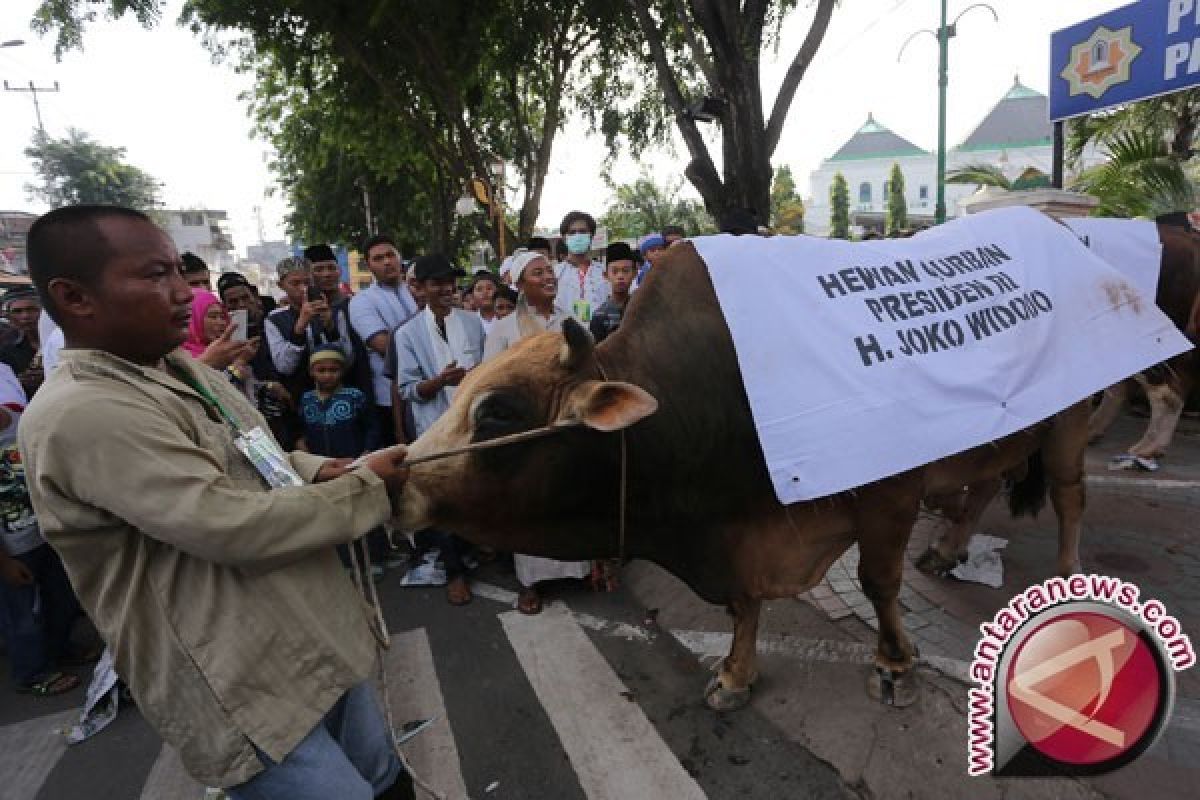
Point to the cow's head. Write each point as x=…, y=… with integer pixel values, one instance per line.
x=510, y=496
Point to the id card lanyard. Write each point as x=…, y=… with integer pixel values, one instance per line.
x=263, y=453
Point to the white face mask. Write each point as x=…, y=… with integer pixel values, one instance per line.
x=579, y=243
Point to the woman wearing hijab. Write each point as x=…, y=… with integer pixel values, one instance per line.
x=209, y=340
x=533, y=275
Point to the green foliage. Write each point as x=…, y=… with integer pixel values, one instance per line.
x=644, y=207
x=68, y=18
x=77, y=169
x=787, y=207
x=897, y=206
x=839, y=208
x=980, y=174
x=1142, y=178
x=1173, y=118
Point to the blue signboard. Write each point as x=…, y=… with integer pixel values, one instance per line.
x=1137, y=51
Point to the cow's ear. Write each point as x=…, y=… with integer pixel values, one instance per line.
x=577, y=345
x=612, y=405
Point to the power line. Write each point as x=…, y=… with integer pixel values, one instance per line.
x=33, y=90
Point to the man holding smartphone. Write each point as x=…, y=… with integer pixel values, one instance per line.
x=304, y=326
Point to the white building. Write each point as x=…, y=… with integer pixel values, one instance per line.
x=203, y=232
x=1015, y=136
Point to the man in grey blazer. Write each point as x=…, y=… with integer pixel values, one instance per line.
x=433, y=352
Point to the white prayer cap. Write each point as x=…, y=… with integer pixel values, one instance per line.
x=521, y=261
x=506, y=266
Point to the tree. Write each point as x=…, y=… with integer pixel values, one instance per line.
x=839, y=208
x=1173, y=118
x=1142, y=178
x=787, y=207
x=980, y=174
x=706, y=55
x=470, y=81
x=77, y=169
x=645, y=207
x=897, y=206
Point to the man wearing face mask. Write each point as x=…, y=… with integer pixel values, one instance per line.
x=582, y=287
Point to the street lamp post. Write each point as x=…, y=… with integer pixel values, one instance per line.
x=943, y=34
x=497, y=168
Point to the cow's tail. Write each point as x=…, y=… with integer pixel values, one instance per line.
x=1028, y=494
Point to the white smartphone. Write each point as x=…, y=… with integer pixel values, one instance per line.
x=240, y=320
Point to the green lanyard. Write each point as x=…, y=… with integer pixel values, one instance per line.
x=203, y=391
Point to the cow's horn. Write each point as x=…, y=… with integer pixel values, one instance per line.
x=577, y=345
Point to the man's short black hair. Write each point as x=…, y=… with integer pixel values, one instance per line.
x=375, y=241
x=619, y=251
x=192, y=263
x=230, y=279
x=560, y=250
x=19, y=293
x=67, y=243
x=676, y=230
x=538, y=243
x=577, y=216
x=508, y=293
x=320, y=252
x=484, y=275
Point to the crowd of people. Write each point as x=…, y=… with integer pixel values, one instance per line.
x=332, y=373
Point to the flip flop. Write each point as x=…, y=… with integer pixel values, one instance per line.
x=50, y=684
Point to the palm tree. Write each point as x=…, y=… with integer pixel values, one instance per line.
x=1143, y=177
x=980, y=174
x=1174, y=118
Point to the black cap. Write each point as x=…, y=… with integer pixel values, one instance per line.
x=20, y=293
x=192, y=263
x=619, y=251
x=231, y=279
x=435, y=265
x=319, y=252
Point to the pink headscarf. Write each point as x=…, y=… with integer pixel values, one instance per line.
x=202, y=301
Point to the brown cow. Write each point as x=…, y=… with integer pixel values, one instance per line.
x=699, y=499
x=1167, y=385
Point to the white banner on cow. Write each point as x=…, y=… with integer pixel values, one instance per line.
x=862, y=360
x=1131, y=246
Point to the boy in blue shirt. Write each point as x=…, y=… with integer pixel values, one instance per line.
x=339, y=422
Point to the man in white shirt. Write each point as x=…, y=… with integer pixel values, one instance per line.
x=582, y=287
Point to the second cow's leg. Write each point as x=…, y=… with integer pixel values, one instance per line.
x=951, y=546
x=1166, y=407
x=883, y=536
x=1111, y=403
x=729, y=690
x=1063, y=454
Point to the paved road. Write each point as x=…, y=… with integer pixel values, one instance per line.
x=581, y=701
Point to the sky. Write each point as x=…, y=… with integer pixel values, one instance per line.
x=158, y=94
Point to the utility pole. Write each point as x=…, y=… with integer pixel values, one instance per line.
x=33, y=90
x=944, y=34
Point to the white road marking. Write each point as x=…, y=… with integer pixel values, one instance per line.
x=615, y=751
x=1164, y=484
x=621, y=629
x=28, y=752
x=168, y=780
x=415, y=693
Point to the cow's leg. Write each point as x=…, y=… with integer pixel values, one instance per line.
x=729, y=689
x=1166, y=406
x=881, y=546
x=950, y=548
x=1063, y=454
x=1111, y=403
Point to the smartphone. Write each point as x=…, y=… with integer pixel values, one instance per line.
x=240, y=320
x=315, y=294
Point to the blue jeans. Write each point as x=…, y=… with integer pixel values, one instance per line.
x=36, y=619
x=349, y=756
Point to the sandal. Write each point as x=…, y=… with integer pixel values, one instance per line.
x=529, y=601
x=50, y=684
x=458, y=592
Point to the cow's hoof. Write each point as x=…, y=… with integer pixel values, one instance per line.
x=893, y=688
x=932, y=562
x=719, y=698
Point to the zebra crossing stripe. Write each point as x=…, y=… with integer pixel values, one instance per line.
x=168, y=780
x=28, y=752
x=615, y=751
x=415, y=693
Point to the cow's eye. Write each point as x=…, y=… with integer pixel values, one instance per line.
x=501, y=413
